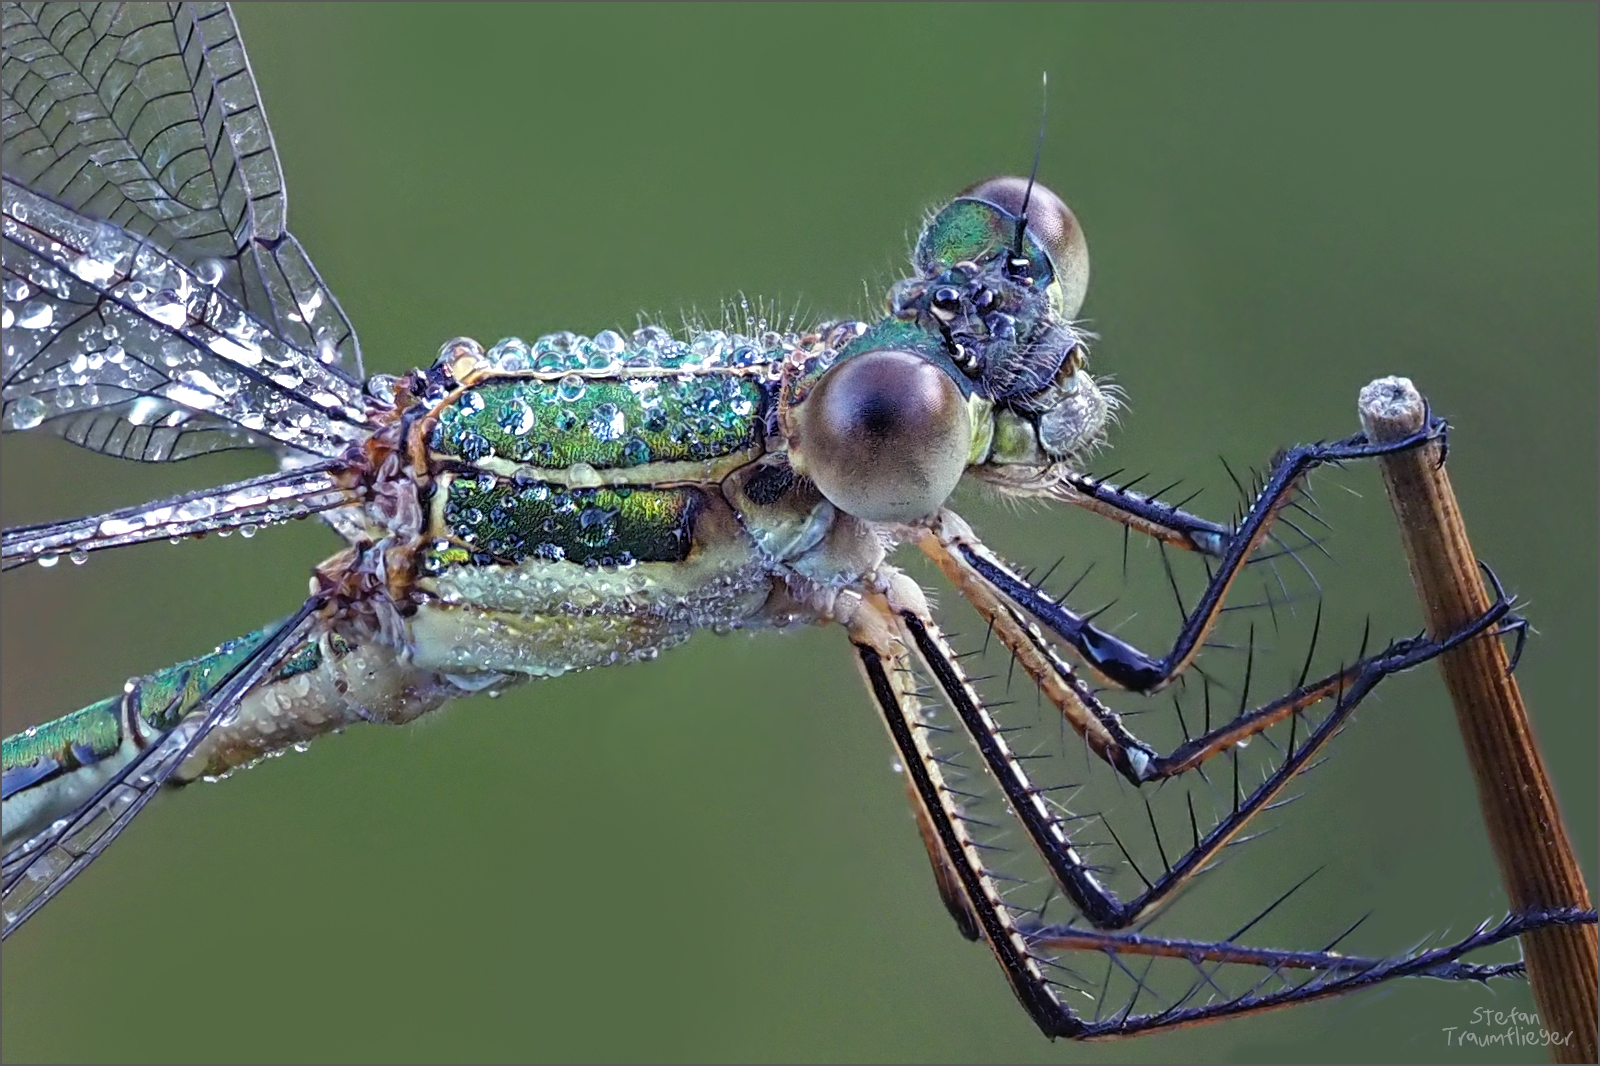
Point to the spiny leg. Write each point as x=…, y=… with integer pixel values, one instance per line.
x=1102, y=727
x=1332, y=974
x=945, y=876
x=970, y=895
x=1227, y=952
x=951, y=541
x=1167, y=523
x=880, y=630
x=1045, y=826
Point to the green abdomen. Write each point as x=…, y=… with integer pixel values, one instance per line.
x=50, y=769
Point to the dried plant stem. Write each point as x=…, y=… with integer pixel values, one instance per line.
x=1519, y=807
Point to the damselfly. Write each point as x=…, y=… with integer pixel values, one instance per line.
x=611, y=421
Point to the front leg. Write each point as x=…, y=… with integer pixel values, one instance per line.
x=952, y=545
x=1147, y=514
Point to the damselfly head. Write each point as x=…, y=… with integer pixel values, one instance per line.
x=1002, y=247
x=979, y=366
x=1000, y=273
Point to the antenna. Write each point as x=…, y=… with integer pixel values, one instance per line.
x=1038, y=149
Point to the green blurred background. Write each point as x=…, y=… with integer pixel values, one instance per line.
x=706, y=858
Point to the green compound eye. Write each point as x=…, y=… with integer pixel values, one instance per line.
x=884, y=435
x=1051, y=223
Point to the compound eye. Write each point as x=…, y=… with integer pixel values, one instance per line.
x=884, y=435
x=1052, y=224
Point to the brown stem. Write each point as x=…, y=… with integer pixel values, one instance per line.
x=1519, y=806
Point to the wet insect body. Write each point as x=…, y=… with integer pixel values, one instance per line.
x=532, y=509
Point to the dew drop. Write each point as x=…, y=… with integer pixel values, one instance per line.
x=94, y=271
x=596, y=526
x=35, y=314
x=210, y=269
x=25, y=413
x=607, y=422
x=516, y=417
x=511, y=354
x=381, y=388
x=561, y=343
x=606, y=349
x=709, y=347
x=636, y=452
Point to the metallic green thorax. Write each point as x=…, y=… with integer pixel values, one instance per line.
x=597, y=466
x=505, y=520
x=607, y=423
x=76, y=739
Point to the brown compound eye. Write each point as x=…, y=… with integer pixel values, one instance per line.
x=884, y=435
x=1052, y=224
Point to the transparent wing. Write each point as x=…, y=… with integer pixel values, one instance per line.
x=147, y=116
x=245, y=505
x=124, y=350
x=33, y=872
x=153, y=235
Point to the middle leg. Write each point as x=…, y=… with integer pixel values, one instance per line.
x=1046, y=826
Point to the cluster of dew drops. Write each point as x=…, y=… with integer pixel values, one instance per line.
x=208, y=332
x=648, y=347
